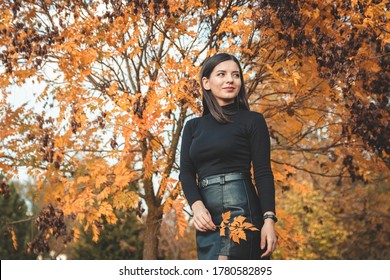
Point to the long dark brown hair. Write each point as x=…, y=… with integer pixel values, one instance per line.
x=210, y=104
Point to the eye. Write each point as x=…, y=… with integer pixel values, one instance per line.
x=236, y=75
x=220, y=74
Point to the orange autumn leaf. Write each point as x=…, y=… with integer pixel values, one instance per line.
x=101, y=179
x=225, y=221
x=237, y=234
x=236, y=228
x=182, y=222
x=222, y=230
x=226, y=217
x=14, y=239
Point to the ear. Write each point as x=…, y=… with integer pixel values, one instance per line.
x=205, y=83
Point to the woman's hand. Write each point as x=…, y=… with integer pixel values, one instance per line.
x=268, y=237
x=202, y=217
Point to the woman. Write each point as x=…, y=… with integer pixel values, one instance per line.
x=217, y=153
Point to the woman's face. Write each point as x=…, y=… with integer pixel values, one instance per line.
x=224, y=82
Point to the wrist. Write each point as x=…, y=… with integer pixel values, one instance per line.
x=269, y=222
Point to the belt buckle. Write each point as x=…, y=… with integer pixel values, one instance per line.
x=205, y=182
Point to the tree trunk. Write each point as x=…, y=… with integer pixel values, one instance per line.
x=152, y=231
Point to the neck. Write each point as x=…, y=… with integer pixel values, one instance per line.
x=231, y=108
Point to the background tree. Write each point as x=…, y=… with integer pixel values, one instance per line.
x=122, y=241
x=121, y=77
x=16, y=226
x=172, y=244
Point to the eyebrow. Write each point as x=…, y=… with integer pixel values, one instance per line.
x=236, y=71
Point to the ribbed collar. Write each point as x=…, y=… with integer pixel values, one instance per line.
x=231, y=109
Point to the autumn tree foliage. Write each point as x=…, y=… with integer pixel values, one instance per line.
x=325, y=91
x=121, y=77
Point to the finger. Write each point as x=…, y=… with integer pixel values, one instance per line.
x=210, y=225
x=271, y=245
x=262, y=243
x=199, y=222
x=211, y=222
x=210, y=218
x=208, y=222
x=274, y=242
x=199, y=226
x=271, y=242
x=267, y=253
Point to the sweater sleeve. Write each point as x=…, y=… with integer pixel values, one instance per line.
x=187, y=174
x=260, y=152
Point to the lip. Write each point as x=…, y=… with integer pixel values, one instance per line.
x=229, y=88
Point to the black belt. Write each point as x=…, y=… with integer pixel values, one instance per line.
x=221, y=179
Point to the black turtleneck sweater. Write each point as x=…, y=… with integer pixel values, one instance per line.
x=210, y=148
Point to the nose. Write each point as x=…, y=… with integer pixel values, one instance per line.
x=229, y=79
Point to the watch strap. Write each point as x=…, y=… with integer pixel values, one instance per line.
x=270, y=216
